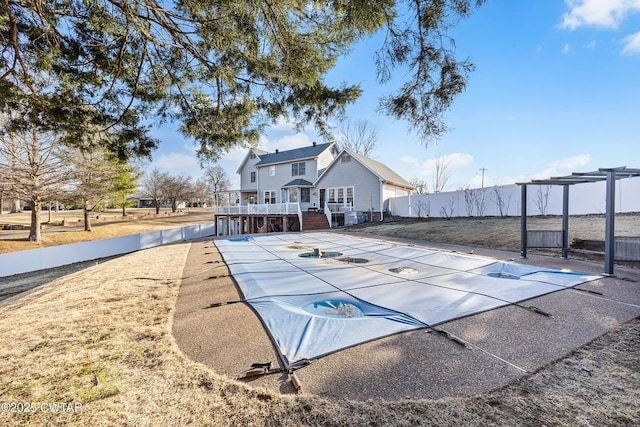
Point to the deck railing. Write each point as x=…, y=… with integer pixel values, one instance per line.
x=262, y=209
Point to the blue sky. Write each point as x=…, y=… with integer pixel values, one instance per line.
x=556, y=90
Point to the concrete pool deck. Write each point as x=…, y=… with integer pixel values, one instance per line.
x=506, y=343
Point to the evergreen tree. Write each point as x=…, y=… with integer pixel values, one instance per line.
x=224, y=69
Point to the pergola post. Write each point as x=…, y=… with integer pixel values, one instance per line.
x=523, y=221
x=565, y=221
x=609, y=233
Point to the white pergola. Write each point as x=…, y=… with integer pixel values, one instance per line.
x=610, y=175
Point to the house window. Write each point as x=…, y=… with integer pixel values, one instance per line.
x=272, y=170
x=293, y=195
x=305, y=195
x=345, y=158
x=270, y=197
x=341, y=195
x=253, y=177
x=331, y=195
x=298, y=169
x=252, y=155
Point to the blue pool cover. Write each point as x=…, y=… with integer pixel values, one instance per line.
x=316, y=305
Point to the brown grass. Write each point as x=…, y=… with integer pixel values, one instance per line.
x=501, y=232
x=110, y=224
x=101, y=337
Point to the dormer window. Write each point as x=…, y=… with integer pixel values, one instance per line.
x=298, y=169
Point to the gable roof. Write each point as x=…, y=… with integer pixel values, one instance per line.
x=258, y=153
x=299, y=183
x=380, y=170
x=308, y=152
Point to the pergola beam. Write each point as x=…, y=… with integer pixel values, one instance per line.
x=610, y=175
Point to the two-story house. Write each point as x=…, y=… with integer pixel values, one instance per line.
x=308, y=188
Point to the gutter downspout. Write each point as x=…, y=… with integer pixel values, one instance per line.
x=381, y=199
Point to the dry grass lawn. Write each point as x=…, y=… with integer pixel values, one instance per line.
x=501, y=232
x=101, y=338
x=110, y=224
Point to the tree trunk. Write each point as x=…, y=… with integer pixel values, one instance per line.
x=15, y=206
x=124, y=210
x=174, y=205
x=50, y=209
x=157, y=207
x=87, y=220
x=34, y=230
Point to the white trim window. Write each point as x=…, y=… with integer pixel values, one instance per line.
x=305, y=195
x=272, y=170
x=253, y=176
x=270, y=197
x=298, y=169
x=331, y=195
x=341, y=195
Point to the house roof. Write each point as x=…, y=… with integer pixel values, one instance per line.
x=299, y=183
x=258, y=153
x=380, y=170
x=308, y=152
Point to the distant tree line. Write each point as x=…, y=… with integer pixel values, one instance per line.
x=39, y=171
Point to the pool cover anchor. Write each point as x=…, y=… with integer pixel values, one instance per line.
x=257, y=370
x=295, y=381
x=538, y=310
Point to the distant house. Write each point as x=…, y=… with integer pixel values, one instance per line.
x=288, y=190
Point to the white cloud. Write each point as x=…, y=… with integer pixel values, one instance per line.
x=566, y=48
x=408, y=159
x=283, y=125
x=597, y=13
x=632, y=44
x=564, y=166
x=287, y=142
x=478, y=182
x=453, y=161
x=172, y=161
x=591, y=45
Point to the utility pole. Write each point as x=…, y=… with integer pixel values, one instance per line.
x=483, y=171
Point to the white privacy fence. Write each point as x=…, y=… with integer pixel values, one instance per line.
x=56, y=256
x=505, y=200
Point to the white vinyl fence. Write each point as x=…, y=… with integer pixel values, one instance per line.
x=504, y=200
x=56, y=256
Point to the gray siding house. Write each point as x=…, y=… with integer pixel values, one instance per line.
x=308, y=188
x=353, y=182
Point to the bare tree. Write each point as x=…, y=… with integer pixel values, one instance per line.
x=218, y=181
x=358, y=137
x=177, y=189
x=501, y=202
x=469, y=201
x=542, y=198
x=201, y=193
x=423, y=206
x=419, y=186
x=480, y=196
x=31, y=170
x=448, y=210
x=153, y=187
x=93, y=173
x=441, y=174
